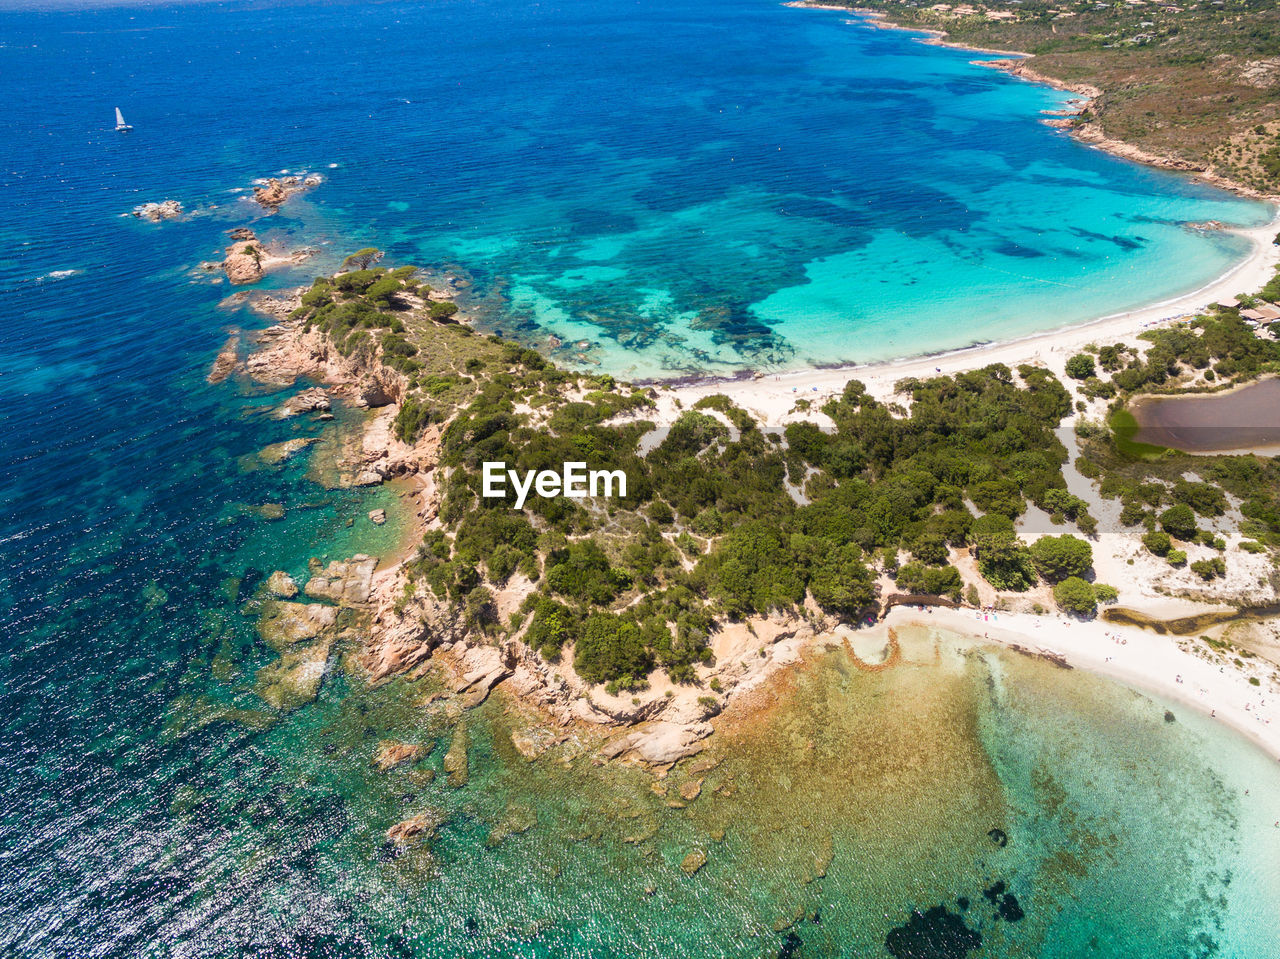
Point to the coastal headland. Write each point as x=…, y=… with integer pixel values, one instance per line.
x=500, y=598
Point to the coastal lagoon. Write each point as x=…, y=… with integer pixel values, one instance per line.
x=664, y=182
x=1247, y=418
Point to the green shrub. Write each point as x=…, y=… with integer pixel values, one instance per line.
x=1176, y=557
x=611, y=649
x=1080, y=366
x=1158, y=542
x=1179, y=522
x=1208, y=569
x=1105, y=593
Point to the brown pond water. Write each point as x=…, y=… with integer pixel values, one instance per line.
x=1247, y=418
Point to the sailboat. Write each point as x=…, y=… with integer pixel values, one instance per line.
x=121, y=126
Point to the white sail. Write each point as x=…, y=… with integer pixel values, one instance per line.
x=120, y=124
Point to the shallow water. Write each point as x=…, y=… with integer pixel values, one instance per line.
x=154, y=805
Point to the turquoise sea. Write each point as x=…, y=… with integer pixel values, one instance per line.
x=679, y=187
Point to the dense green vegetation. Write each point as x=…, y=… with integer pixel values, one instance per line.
x=723, y=520
x=708, y=530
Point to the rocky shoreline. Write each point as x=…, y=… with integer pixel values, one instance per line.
x=1090, y=132
x=398, y=630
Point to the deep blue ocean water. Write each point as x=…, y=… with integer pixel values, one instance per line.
x=706, y=185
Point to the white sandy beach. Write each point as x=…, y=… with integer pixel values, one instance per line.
x=1144, y=661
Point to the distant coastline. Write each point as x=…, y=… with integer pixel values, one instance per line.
x=1015, y=62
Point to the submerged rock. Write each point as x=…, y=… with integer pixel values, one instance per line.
x=934, y=934
x=693, y=862
x=390, y=754
x=294, y=679
x=225, y=363
x=415, y=828
x=455, y=760
x=277, y=453
x=691, y=790
x=283, y=624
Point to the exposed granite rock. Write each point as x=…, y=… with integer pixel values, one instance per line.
x=659, y=743
x=390, y=754
x=377, y=516
x=225, y=363
x=278, y=189
x=248, y=259
x=242, y=261
x=155, y=212
x=281, y=584
x=314, y=400
x=347, y=584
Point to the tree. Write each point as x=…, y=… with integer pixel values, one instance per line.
x=362, y=259
x=1074, y=595
x=1058, y=557
x=1105, y=593
x=443, y=311
x=611, y=648
x=839, y=580
x=1179, y=522
x=930, y=580
x=1003, y=560
x=550, y=628
x=1080, y=366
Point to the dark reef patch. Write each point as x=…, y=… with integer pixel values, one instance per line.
x=999, y=837
x=1006, y=903
x=934, y=934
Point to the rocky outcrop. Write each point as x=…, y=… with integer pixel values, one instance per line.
x=242, y=261
x=271, y=194
x=248, y=259
x=155, y=212
x=281, y=584
x=344, y=583
x=225, y=363
x=378, y=517
x=658, y=743
x=314, y=400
